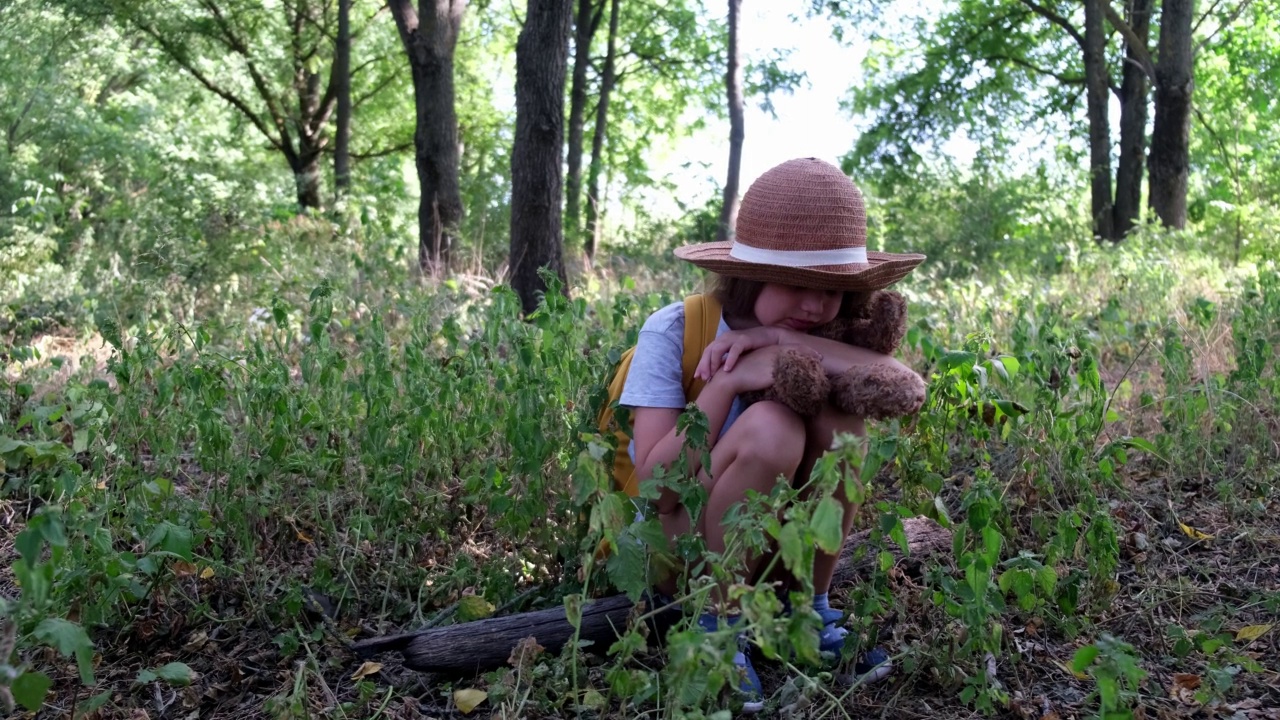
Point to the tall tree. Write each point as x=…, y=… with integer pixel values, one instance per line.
x=737, y=123
x=342, y=78
x=429, y=36
x=585, y=25
x=1169, y=161
x=667, y=66
x=1133, y=119
x=607, y=79
x=536, y=174
x=1097, y=80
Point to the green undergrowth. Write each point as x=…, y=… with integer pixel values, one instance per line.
x=337, y=466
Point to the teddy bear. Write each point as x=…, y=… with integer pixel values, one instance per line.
x=877, y=391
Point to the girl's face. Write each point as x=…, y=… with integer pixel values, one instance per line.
x=797, y=308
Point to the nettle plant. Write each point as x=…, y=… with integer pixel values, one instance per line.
x=698, y=671
x=1020, y=432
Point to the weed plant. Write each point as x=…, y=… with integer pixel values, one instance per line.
x=1102, y=444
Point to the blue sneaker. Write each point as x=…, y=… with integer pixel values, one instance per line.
x=872, y=666
x=749, y=687
x=831, y=638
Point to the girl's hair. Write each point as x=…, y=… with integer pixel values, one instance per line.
x=737, y=297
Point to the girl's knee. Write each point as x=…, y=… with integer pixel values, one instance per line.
x=772, y=434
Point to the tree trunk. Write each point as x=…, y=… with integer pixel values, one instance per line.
x=597, y=141
x=1169, y=161
x=585, y=25
x=306, y=174
x=342, y=78
x=1097, y=92
x=1133, y=122
x=429, y=42
x=314, y=106
x=737, y=129
x=542, y=52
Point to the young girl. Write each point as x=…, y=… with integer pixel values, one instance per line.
x=798, y=252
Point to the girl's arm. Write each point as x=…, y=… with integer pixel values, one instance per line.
x=836, y=357
x=658, y=443
x=654, y=429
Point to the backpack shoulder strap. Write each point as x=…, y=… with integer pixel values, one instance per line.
x=701, y=322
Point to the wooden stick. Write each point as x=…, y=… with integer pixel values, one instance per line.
x=484, y=644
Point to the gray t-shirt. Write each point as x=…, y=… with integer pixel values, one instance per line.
x=654, y=379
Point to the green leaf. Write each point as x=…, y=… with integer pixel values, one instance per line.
x=29, y=542
x=1010, y=365
x=792, y=547
x=1012, y=408
x=826, y=524
x=1048, y=579
x=626, y=566
x=957, y=359
x=650, y=531
x=30, y=689
x=473, y=607
x=69, y=639
x=176, y=673
x=1005, y=581
x=1084, y=657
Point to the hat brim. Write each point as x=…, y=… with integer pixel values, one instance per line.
x=880, y=271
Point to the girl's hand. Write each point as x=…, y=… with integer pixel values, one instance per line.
x=724, y=351
x=754, y=370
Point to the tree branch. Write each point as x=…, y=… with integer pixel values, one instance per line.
x=407, y=22
x=1064, y=79
x=1131, y=39
x=402, y=147
x=1056, y=19
x=1222, y=146
x=377, y=88
x=12, y=132
x=259, y=82
x=360, y=68
x=1232, y=18
x=174, y=54
x=1196, y=27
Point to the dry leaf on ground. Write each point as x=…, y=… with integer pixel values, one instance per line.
x=366, y=669
x=467, y=699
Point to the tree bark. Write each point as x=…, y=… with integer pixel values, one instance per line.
x=1133, y=121
x=588, y=20
x=737, y=126
x=542, y=53
x=1097, y=92
x=475, y=646
x=306, y=174
x=1170, y=133
x=607, y=80
x=342, y=78
x=429, y=41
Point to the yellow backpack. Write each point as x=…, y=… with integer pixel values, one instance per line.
x=701, y=321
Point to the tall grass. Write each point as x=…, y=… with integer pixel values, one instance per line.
x=373, y=456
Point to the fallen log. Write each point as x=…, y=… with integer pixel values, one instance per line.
x=485, y=644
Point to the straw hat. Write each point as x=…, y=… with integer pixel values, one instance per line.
x=803, y=223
